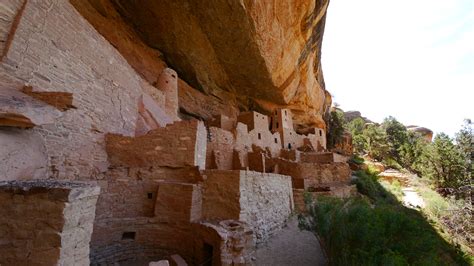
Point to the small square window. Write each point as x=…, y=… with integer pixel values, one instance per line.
x=276, y=140
x=128, y=236
x=259, y=136
x=150, y=195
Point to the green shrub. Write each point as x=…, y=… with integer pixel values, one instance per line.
x=335, y=124
x=395, y=187
x=374, y=229
x=391, y=163
x=367, y=184
x=357, y=160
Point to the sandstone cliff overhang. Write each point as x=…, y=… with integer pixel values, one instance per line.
x=257, y=55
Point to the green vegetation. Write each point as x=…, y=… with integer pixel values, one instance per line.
x=446, y=162
x=445, y=183
x=375, y=229
x=336, y=124
x=357, y=159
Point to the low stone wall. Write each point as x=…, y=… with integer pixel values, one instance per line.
x=141, y=238
x=323, y=157
x=315, y=174
x=226, y=242
x=180, y=144
x=45, y=222
x=262, y=200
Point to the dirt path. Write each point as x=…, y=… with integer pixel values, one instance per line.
x=291, y=246
x=411, y=198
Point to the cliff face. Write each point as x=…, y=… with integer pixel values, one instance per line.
x=88, y=93
x=237, y=54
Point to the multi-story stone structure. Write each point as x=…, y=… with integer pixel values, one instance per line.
x=73, y=109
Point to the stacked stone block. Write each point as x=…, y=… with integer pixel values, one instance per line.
x=46, y=222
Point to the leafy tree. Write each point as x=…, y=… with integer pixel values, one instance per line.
x=397, y=136
x=444, y=163
x=356, y=127
x=359, y=144
x=335, y=127
x=376, y=140
x=410, y=152
x=465, y=142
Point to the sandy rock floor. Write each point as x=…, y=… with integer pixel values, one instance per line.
x=290, y=246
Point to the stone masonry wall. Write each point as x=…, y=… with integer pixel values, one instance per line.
x=264, y=201
x=220, y=195
x=220, y=149
x=46, y=222
x=177, y=145
x=324, y=157
x=53, y=49
x=22, y=155
x=315, y=174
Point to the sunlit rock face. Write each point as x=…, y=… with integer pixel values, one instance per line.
x=426, y=133
x=258, y=54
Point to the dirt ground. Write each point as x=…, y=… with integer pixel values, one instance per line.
x=291, y=246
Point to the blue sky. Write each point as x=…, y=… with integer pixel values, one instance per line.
x=412, y=59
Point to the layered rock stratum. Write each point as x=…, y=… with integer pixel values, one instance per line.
x=231, y=55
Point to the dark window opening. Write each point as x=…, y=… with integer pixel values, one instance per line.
x=276, y=140
x=289, y=146
x=173, y=75
x=320, y=132
x=259, y=136
x=277, y=125
x=208, y=253
x=150, y=195
x=128, y=236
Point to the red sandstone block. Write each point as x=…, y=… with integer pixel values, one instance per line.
x=60, y=100
x=177, y=260
x=20, y=110
x=177, y=145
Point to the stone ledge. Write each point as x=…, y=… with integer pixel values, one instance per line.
x=60, y=100
x=57, y=190
x=20, y=110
